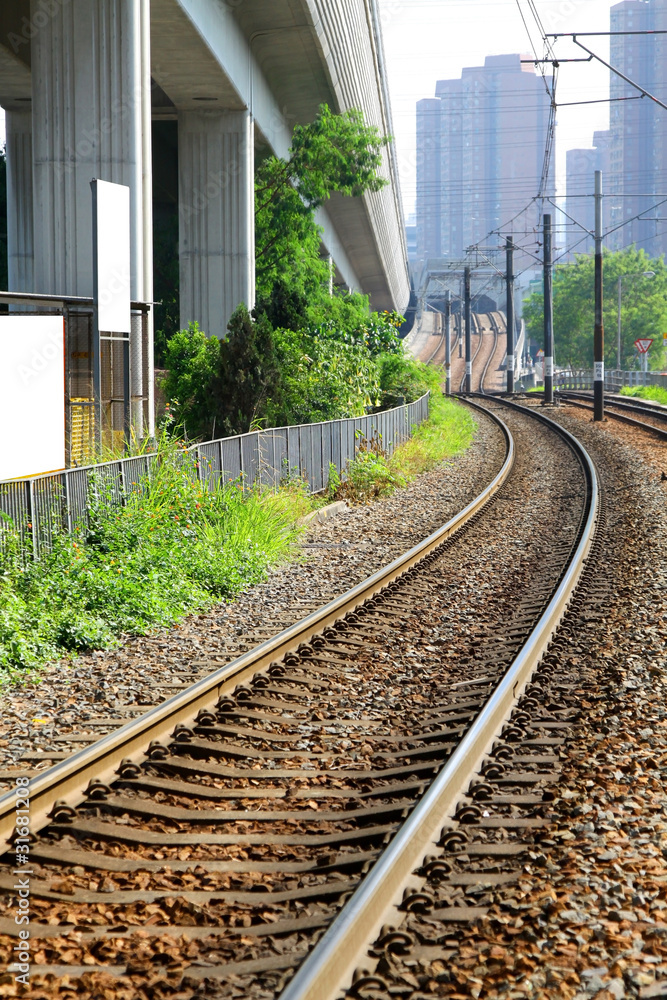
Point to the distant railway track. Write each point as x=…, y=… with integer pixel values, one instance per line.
x=239, y=815
x=620, y=409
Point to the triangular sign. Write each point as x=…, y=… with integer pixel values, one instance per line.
x=643, y=344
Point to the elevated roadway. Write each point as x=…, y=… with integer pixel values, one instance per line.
x=82, y=81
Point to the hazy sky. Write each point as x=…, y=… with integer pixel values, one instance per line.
x=430, y=40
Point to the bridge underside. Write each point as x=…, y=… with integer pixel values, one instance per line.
x=81, y=81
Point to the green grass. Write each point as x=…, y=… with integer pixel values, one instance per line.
x=174, y=547
x=448, y=431
x=654, y=392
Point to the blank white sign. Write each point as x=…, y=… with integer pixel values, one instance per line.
x=112, y=279
x=32, y=395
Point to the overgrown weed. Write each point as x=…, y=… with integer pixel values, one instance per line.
x=174, y=545
x=654, y=392
x=448, y=431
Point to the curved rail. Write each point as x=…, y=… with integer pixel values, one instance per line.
x=66, y=781
x=330, y=965
x=585, y=403
x=436, y=349
x=496, y=333
x=473, y=359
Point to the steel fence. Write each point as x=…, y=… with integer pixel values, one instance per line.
x=36, y=509
x=582, y=378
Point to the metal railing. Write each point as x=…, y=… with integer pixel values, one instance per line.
x=38, y=508
x=582, y=378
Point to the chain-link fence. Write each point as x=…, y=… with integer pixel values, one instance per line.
x=37, y=508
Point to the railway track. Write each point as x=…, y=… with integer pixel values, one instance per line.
x=488, y=351
x=619, y=408
x=311, y=760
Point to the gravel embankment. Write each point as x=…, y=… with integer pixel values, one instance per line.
x=327, y=740
x=590, y=920
x=73, y=703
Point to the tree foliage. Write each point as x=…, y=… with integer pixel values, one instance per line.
x=247, y=376
x=305, y=354
x=643, y=308
x=335, y=153
x=192, y=360
x=260, y=376
x=217, y=388
x=321, y=379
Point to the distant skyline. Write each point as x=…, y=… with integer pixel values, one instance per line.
x=430, y=40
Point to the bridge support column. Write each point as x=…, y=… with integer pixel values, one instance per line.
x=216, y=215
x=20, y=245
x=91, y=105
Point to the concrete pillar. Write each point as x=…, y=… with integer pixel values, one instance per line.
x=90, y=63
x=20, y=247
x=216, y=217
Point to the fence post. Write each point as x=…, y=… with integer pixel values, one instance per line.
x=123, y=483
x=30, y=503
x=68, y=509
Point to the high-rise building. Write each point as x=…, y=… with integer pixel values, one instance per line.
x=579, y=223
x=480, y=155
x=637, y=176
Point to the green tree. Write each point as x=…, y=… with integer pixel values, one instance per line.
x=335, y=153
x=643, y=310
x=192, y=360
x=247, y=376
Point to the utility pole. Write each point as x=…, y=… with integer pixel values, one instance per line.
x=598, y=335
x=548, y=315
x=468, y=325
x=448, y=342
x=509, y=311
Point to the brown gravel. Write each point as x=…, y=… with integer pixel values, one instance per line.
x=474, y=585
x=74, y=703
x=591, y=919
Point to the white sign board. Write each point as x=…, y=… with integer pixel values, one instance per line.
x=32, y=395
x=111, y=215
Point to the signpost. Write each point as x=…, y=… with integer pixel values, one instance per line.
x=112, y=321
x=643, y=345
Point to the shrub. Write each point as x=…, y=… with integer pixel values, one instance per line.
x=321, y=379
x=192, y=360
x=247, y=376
x=404, y=378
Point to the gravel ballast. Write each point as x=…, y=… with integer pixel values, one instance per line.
x=588, y=917
x=72, y=704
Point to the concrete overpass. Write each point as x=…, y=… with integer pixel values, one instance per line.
x=82, y=79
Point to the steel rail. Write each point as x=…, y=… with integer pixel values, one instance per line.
x=632, y=403
x=622, y=417
x=67, y=780
x=330, y=966
x=496, y=333
x=440, y=342
x=473, y=359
